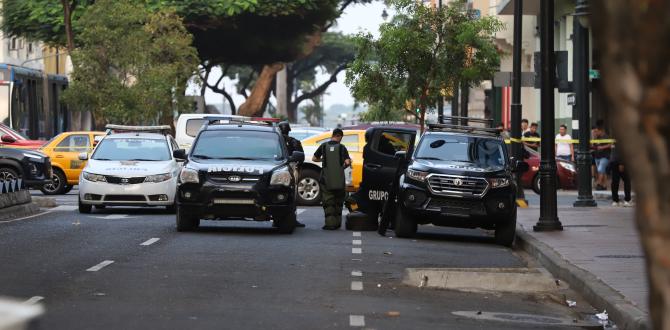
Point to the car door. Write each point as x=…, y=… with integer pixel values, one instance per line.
x=66, y=154
x=380, y=164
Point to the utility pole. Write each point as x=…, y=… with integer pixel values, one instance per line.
x=548, y=209
x=581, y=79
x=282, y=97
x=440, y=102
x=516, y=107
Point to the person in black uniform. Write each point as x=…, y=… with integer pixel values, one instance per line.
x=292, y=144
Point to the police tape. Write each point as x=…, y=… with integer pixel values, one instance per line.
x=572, y=141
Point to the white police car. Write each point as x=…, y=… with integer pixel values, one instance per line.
x=131, y=166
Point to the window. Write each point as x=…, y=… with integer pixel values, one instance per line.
x=193, y=126
x=13, y=44
x=244, y=145
x=74, y=143
x=351, y=142
x=390, y=142
x=138, y=149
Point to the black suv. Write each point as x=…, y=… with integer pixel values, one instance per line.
x=32, y=167
x=238, y=169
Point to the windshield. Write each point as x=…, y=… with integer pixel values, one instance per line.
x=132, y=149
x=237, y=145
x=473, y=150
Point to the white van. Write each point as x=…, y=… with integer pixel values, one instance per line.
x=189, y=124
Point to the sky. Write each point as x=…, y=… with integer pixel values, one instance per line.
x=356, y=18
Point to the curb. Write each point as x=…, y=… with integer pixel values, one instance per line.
x=601, y=296
x=49, y=202
x=19, y=211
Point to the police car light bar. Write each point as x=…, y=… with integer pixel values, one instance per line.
x=162, y=129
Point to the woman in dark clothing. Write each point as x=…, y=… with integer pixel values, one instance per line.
x=619, y=173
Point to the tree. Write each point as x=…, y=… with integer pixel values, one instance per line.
x=131, y=64
x=635, y=69
x=422, y=55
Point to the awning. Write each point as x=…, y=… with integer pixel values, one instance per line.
x=530, y=7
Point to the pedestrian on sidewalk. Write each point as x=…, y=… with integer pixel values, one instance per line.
x=565, y=150
x=524, y=126
x=532, y=133
x=601, y=154
x=619, y=173
x=334, y=158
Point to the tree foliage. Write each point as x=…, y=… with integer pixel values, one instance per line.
x=421, y=56
x=132, y=64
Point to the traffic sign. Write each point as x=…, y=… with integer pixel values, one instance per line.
x=594, y=74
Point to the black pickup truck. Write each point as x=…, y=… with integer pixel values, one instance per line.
x=32, y=167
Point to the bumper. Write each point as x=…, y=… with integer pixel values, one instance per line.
x=495, y=207
x=142, y=194
x=244, y=201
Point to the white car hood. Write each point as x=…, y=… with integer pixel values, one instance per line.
x=129, y=169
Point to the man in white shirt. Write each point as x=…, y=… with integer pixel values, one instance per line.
x=564, y=150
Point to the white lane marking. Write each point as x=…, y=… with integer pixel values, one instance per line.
x=150, y=241
x=33, y=300
x=356, y=285
x=300, y=211
x=26, y=218
x=357, y=242
x=100, y=266
x=356, y=273
x=357, y=234
x=115, y=216
x=356, y=250
x=65, y=208
x=356, y=320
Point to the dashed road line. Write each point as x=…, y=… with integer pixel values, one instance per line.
x=356, y=250
x=150, y=241
x=357, y=234
x=33, y=300
x=356, y=285
x=357, y=242
x=356, y=320
x=356, y=273
x=100, y=266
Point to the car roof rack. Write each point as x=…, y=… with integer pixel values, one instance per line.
x=240, y=120
x=462, y=127
x=160, y=129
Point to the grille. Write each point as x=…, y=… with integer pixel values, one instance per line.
x=120, y=180
x=225, y=178
x=456, y=185
x=125, y=198
x=458, y=204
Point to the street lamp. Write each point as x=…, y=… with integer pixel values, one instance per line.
x=385, y=15
x=581, y=83
x=516, y=107
x=548, y=209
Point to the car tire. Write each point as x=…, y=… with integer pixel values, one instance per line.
x=309, y=190
x=85, y=209
x=8, y=173
x=405, y=227
x=536, y=183
x=57, y=185
x=286, y=224
x=186, y=221
x=68, y=188
x=505, y=232
x=360, y=221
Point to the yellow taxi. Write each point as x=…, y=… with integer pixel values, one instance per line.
x=309, y=192
x=64, y=150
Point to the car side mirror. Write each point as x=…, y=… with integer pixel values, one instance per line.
x=83, y=156
x=297, y=157
x=6, y=138
x=179, y=154
x=400, y=155
x=520, y=166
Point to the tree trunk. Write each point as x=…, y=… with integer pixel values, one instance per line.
x=68, y=8
x=253, y=106
x=636, y=77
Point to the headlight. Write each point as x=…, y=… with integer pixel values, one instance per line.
x=568, y=166
x=499, y=182
x=158, y=177
x=188, y=175
x=417, y=175
x=281, y=177
x=25, y=154
x=93, y=177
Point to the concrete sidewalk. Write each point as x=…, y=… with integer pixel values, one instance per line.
x=597, y=253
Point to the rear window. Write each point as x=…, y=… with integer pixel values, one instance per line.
x=193, y=126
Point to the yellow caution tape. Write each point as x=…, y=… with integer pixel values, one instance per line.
x=573, y=141
x=521, y=203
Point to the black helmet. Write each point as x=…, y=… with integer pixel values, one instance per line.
x=284, y=127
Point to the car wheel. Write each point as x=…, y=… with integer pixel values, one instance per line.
x=186, y=221
x=506, y=231
x=309, y=191
x=57, y=185
x=68, y=188
x=536, y=184
x=286, y=224
x=405, y=227
x=8, y=174
x=85, y=209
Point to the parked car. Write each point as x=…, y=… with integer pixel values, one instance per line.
x=64, y=150
x=11, y=138
x=33, y=167
x=567, y=172
x=132, y=168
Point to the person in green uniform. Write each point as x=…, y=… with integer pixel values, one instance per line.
x=334, y=158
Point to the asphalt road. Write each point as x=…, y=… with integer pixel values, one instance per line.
x=124, y=268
